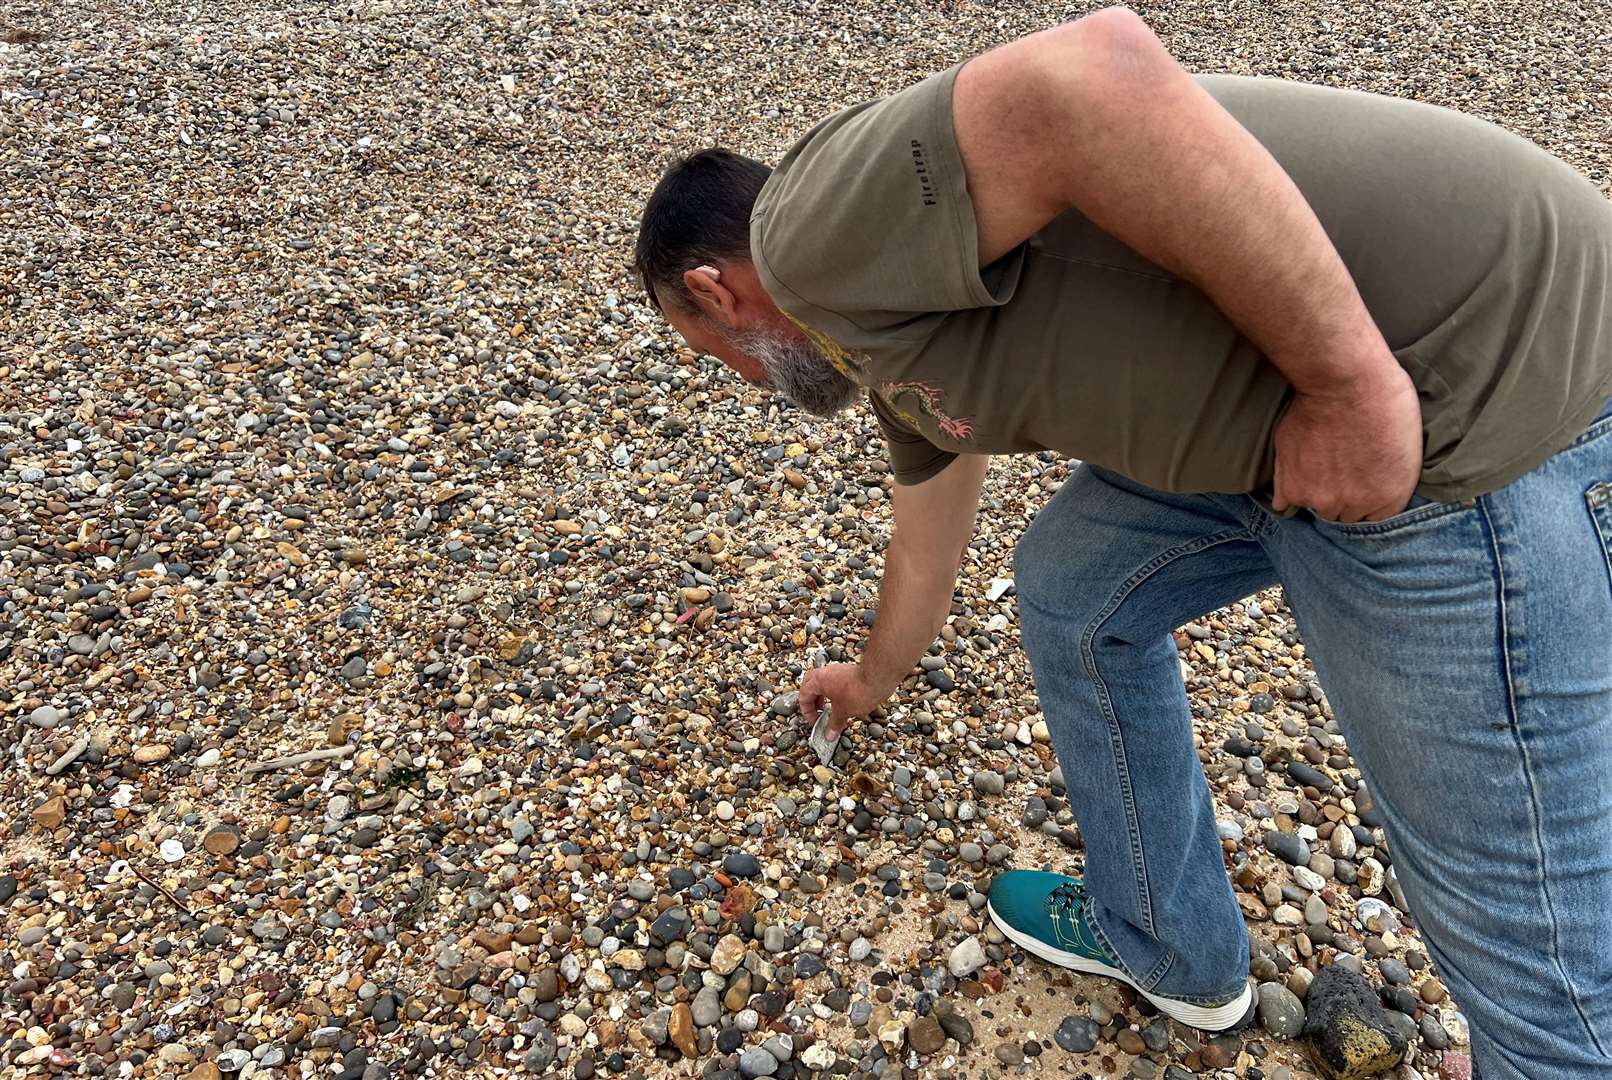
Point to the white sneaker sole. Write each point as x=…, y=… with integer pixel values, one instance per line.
x=1202, y=1017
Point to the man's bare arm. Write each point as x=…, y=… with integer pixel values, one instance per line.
x=934, y=522
x=1096, y=115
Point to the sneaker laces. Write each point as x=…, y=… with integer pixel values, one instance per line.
x=1068, y=898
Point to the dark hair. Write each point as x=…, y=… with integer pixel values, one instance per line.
x=698, y=213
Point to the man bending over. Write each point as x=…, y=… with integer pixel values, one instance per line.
x=1354, y=345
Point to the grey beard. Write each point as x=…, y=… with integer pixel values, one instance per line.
x=800, y=372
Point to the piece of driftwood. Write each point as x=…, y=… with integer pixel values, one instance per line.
x=181, y=905
x=301, y=759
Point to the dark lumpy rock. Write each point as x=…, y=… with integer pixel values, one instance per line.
x=1350, y=1035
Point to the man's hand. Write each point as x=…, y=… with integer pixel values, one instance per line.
x=843, y=684
x=934, y=521
x=1354, y=454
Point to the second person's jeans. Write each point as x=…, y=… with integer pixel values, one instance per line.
x=1467, y=652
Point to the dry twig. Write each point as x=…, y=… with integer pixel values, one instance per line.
x=301, y=759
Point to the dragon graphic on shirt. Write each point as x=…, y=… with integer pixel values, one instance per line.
x=960, y=428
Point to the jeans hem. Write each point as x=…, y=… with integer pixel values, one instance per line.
x=1160, y=970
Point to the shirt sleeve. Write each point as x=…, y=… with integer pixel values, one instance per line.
x=868, y=218
x=913, y=458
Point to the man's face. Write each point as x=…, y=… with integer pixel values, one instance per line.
x=778, y=358
x=707, y=337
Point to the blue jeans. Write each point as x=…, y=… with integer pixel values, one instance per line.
x=1467, y=652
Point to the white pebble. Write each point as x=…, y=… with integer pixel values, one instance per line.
x=967, y=957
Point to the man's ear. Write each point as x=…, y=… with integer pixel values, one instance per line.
x=715, y=300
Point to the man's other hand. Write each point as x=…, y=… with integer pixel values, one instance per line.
x=842, y=684
x=1354, y=454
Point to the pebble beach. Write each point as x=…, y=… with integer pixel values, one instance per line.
x=400, y=626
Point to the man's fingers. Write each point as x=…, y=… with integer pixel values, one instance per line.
x=1279, y=493
x=1387, y=510
x=809, y=697
x=1343, y=515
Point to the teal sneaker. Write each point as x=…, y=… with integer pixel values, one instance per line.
x=1045, y=915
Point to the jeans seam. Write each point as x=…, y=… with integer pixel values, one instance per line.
x=1154, y=976
x=1160, y=970
x=1534, y=809
x=1116, y=740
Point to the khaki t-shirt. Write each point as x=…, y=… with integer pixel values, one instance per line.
x=1485, y=262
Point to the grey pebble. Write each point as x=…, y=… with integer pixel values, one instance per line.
x=1433, y=1033
x=1280, y=1012
x=757, y=1062
x=1289, y=847
x=989, y=781
x=1076, y=1034
x=45, y=716
x=707, y=1006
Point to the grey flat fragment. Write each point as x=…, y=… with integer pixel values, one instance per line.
x=819, y=739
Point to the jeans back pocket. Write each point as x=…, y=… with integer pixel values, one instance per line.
x=1420, y=509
